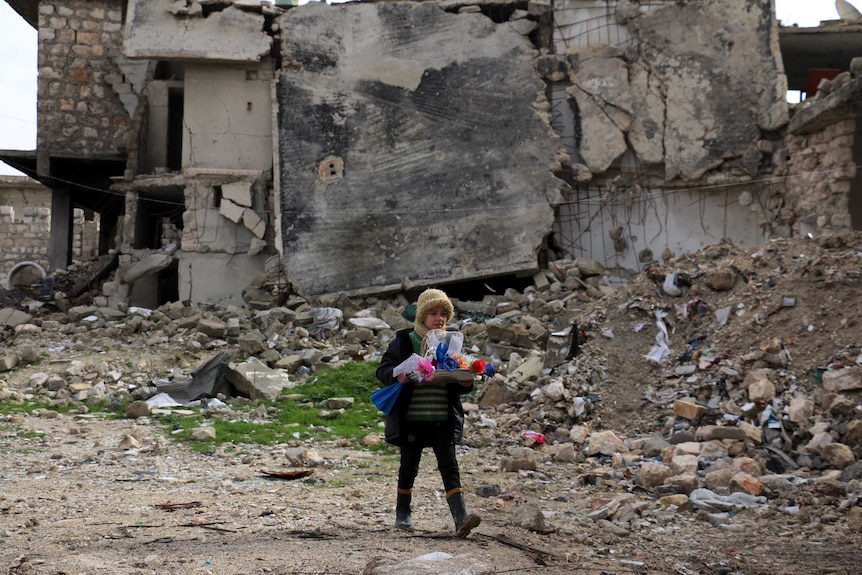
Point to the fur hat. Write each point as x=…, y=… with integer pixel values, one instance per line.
x=431, y=299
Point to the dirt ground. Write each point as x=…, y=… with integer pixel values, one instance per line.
x=75, y=500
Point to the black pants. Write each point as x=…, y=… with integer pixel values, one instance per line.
x=439, y=437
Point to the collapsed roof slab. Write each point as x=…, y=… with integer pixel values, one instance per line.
x=816, y=114
x=412, y=145
x=157, y=29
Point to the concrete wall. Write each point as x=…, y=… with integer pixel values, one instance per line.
x=206, y=229
x=227, y=120
x=426, y=155
x=818, y=161
x=80, y=110
x=25, y=226
x=690, y=87
x=626, y=230
x=668, y=112
x=224, y=238
x=217, y=278
x=423, y=156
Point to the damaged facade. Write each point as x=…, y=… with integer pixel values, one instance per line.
x=371, y=147
x=25, y=229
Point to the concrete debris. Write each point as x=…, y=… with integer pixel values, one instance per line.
x=435, y=563
x=765, y=413
x=256, y=380
x=151, y=263
x=530, y=517
x=13, y=318
x=205, y=433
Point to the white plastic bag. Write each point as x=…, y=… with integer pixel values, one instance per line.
x=670, y=287
x=407, y=366
x=661, y=347
x=454, y=339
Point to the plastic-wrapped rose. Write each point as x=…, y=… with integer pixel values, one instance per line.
x=440, y=353
x=425, y=369
x=478, y=366
x=447, y=363
x=444, y=361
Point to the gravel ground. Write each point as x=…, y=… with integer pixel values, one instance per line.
x=75, y=500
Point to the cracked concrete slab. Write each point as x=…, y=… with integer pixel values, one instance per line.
x=711, y=64
x=228, y=35
x=432, y=127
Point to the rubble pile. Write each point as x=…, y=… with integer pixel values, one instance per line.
x=720, y=380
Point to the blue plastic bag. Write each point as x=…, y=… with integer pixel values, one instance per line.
x=384, y=398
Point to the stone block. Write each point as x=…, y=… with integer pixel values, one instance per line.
x=838, y=455
x=742, y=482
x=8, y=362
x=844, y=379
x=518, y=464
x=256, y=380
x=211, y=327
x=12, y=317
x=712, y=432
x=683, y=463
x=720, y=280
x=688, y=410
x=653, y=474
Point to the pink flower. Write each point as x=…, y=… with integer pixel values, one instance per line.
x=425, y=369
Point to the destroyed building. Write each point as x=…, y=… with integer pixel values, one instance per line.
x=377, y=146
x=25, y=229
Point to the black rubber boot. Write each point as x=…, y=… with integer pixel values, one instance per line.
x=464, y=522
x=402, y=511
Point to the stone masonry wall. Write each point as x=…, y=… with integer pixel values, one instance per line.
x=79, y=107
x=24, y=236
x=819, y=171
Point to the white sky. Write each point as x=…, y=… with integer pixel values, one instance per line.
x=18, y=68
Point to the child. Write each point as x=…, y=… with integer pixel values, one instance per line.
x=426, y=414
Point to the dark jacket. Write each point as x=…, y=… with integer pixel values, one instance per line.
x=399, y=350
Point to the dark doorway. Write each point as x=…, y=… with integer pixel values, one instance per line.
x=175, y=129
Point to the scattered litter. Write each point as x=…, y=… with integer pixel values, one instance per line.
x=660, y=349
x=670, y=287
x=535, y=436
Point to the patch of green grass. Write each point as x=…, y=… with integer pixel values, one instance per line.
x=9, y=407
x=290, y=419
x=352, y=379
x=11, y=430
x=11, y=436
x=297, y=419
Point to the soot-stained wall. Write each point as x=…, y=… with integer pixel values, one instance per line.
x=412, y=145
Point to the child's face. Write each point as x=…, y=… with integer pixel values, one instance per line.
x=436, y=318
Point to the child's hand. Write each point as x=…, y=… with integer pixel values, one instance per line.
x=402, y=378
